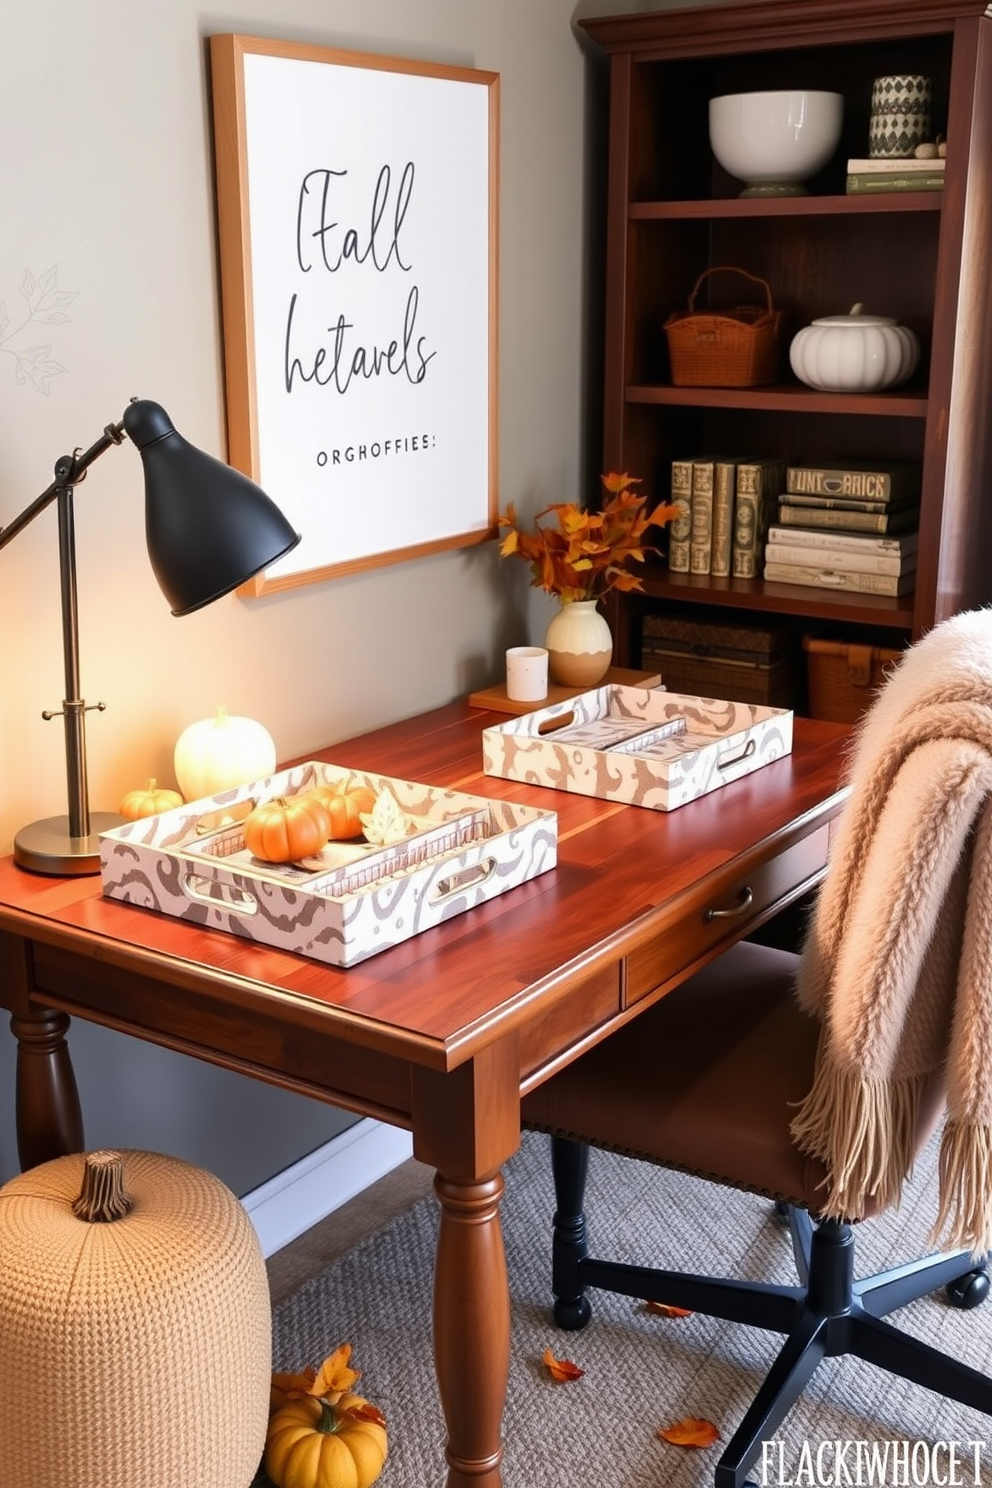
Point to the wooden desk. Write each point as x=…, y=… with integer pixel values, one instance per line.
x=442, y=1034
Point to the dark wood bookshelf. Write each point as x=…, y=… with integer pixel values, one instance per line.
x=672, y=212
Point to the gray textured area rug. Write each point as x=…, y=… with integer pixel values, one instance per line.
x=642, y=1371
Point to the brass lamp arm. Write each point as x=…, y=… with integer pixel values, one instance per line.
x=69, y=471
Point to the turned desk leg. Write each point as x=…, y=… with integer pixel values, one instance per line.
x=472, y=1328
x=49, y=1118
x=466, y=1124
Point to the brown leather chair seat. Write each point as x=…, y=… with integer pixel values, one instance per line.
x=715, y=1067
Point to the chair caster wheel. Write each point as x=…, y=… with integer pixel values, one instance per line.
x=571, y=1316
x=969, y=1290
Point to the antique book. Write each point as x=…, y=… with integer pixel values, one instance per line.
x=848, y=560
x=724, y=483
x=858, y=542
x=701, y=534
x=758, y=486
x=832, y=503
x=861, y=185
x=899, y=519
x=867, y=481
x=840, y=579
x=680, y=527
x=888, y=165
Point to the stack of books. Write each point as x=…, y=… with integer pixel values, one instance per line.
x=853, y=527
x=885, y=174
x=725, y=506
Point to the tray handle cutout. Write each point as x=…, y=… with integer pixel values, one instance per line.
x=552, y=725
x=468, y=878
x=736, y=759
x=205, y=890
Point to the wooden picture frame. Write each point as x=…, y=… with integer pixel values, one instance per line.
x=357, y=203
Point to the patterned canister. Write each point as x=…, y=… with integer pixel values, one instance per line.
x=900, y=115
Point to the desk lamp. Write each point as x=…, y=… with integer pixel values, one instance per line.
x=208, y=528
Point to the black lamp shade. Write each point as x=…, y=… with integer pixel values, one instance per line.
x=207, y=526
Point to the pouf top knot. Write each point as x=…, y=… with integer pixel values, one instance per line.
x=135, y=1327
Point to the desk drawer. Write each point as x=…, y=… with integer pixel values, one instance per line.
x=569, y=1018
x=724, y=915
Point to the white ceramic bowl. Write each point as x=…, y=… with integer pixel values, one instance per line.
x=773, y=141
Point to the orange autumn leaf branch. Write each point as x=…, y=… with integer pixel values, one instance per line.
x=333, y=1379
x=584, y=554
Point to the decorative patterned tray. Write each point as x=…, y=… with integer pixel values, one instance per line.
x=644, y=746
x=352, y=900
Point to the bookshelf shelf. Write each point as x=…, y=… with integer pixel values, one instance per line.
x=919, y=256
x=786, y=206
x=777, y=599
x=787, y=398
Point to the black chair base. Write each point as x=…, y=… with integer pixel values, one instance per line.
x=828, y=1314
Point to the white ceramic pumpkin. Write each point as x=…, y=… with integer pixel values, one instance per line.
x=218, y=753
x=854, y=353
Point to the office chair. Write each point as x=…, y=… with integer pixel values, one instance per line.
x=758, y=1072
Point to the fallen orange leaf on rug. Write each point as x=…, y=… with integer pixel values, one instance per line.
x=691, y=1431
x=561, y=1369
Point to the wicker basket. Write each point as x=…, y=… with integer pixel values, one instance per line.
x=738, y=347
x=844, y=678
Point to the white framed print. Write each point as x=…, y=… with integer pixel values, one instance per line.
x=357, y=206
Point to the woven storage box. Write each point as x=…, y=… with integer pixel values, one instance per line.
x=843, y=678
x=737, y=347
x=135, y=1351
x=743, y=663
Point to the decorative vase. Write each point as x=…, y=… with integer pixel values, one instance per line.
x=579, y=644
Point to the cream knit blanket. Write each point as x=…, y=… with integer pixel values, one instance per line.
x=898, y=959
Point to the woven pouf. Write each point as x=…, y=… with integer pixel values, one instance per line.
x=135, y=1327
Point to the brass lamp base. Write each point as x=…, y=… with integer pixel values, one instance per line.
x=48, y=847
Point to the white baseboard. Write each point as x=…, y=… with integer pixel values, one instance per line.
x=321, y=1182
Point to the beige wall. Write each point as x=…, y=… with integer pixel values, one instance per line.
x=107, y=182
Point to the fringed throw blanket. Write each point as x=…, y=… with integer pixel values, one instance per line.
x=897, y=964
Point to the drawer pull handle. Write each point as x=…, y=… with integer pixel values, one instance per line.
x=744, y=901
x=745, y=753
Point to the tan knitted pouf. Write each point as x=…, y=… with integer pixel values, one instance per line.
x=135, y=1329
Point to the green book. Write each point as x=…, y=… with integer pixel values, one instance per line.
x=865, y=480
x=862, y=184
x=680, y=527
x=758, y=487
x=701, y=523
x=833, y=503
x=899, y=519
x=724, y=491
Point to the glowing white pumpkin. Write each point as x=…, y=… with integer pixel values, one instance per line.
x=854, y=353
x=218, y=753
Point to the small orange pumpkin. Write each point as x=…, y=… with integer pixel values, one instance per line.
x=345, y=806
x=148, y=802
x=287, y=828
x=314, y=1443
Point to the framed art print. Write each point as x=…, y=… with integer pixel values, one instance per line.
x=357, y=218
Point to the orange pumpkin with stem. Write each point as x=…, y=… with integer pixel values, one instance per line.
x=148, y=802
x=345, y=805
x=287, y=828
x=314, y=1443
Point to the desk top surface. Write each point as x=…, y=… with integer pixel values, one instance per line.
x=620, y=870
